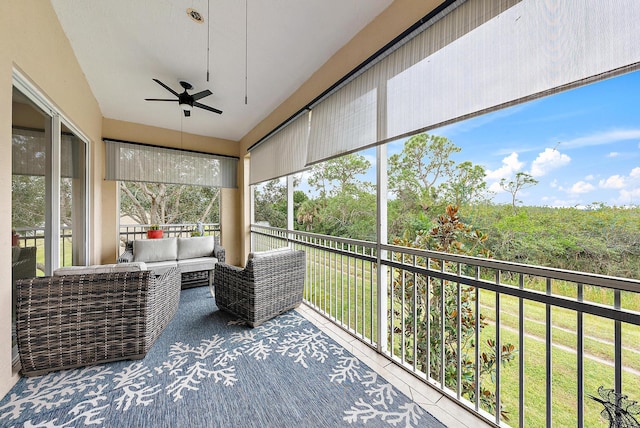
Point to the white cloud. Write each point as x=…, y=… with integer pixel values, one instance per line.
x=547, y=161
x=510, y=165
x=602, y=138
x=589, y=177
x=613, y=155
x=613, y=182
x=629, y=197
x=581, y=187
x=635, y=173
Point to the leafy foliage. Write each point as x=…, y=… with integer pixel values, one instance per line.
x=423, y=178
x=521, y=181
x=159, y=203
x=345, y=205
x=438, y=300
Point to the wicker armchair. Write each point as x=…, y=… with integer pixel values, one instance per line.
x=271, y=283
x=76, y=320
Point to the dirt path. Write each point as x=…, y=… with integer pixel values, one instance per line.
x=569, y=349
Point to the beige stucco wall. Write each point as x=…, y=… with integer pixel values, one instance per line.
x=32, y=41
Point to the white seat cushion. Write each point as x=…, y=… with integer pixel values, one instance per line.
x=259, y=254
x=108, y=268
x=197, y=264
x=158, y=268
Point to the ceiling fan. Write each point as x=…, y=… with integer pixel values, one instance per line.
x=185, y=100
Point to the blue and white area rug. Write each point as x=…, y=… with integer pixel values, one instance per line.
x=208, y=370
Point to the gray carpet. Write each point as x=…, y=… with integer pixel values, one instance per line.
x=208, y=370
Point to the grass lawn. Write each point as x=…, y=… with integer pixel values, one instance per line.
x=342, y=287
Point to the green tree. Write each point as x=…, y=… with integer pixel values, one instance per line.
x=424, y=161
x=521, y=181
x=28, y=201
x=340, y=175
x=449, y=235
x=149, y=203
x=270, y=203
x=423, y=177
x=346, y=204
x=466, y=185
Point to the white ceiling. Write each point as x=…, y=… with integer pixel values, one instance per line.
x=122, y=44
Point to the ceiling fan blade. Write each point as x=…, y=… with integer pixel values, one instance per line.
x=187, y=113
x=201, y=94
x=215, y=110
x=159, y=99
x=166, y=87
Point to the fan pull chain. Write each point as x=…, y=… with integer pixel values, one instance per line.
x=208, y=37
x=246, y=66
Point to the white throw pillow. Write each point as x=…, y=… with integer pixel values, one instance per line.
x=155, y=250
x=197, y=246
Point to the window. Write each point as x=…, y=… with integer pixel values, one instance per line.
x=49, y=188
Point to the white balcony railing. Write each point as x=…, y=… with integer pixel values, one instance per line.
x=554, y=347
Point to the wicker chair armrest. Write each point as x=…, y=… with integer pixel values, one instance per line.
x=225, y=269
x=126, y=256
x=219, y=252
x=58, y=319
x=172, y=276
x=162, y=302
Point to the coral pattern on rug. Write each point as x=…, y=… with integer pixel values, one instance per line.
x=101, y=395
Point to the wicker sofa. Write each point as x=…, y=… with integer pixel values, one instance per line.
x=76, y=318
x=194, y=257
x=271, y=283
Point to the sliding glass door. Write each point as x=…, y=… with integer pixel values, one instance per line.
x=48, y=190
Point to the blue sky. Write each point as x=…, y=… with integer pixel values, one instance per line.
x=582, y=145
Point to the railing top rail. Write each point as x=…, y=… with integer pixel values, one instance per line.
x=585, y=278
x=349, y=241
x=616, y=283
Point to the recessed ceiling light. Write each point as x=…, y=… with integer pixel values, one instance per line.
x=195, y=15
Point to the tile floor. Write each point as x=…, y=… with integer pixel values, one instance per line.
x=442, y=407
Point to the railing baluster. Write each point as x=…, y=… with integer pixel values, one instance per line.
x=342, y=283
x=349, y=288
x=477, y=343
x=371, y=304
x=414, y=327
x=498, y=346
x=580, y=359
x=459, y=336
x=324, y=274
x=549, y=360
x=428, y=317
x=443, y=331
x=402, y=317
x=363, y=297
x=521, y=352
x=391, y=308
x=332, y=295
x=617, y=335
